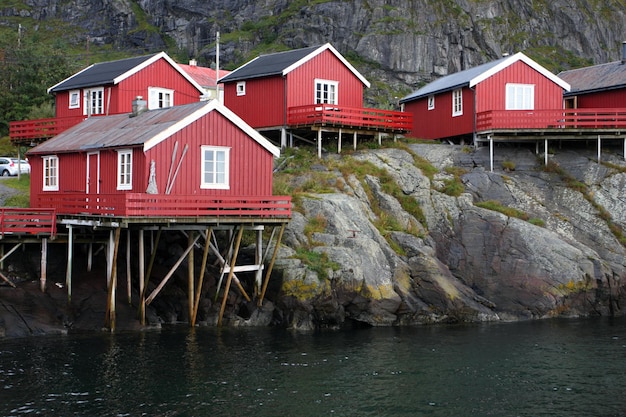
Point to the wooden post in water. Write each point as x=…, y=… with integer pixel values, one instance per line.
x=110, y=311
x=230, y=275
x=271, y=266
x=44, y=264
x=205, y=255
x=68, y=271
x=142, y=299
x=128, y=277
x=190, y=276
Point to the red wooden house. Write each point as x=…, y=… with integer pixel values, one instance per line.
x=598, y=86
x=304, y=89
x=506, y=93
x=108, y=88
x=198, y=159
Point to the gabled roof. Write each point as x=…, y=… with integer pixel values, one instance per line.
x=281, y=63
x=202, y=75
x=148, y=129
x=113, y=72
x=475, y=75
x=596, y=78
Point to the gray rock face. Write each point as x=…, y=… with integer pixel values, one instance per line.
x=466, y=263
x=401, y=43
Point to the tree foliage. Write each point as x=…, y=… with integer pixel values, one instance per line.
x=28, y=67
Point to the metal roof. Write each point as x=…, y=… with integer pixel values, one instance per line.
x=147, y=129
x=202, y=75
x=281, y=63
x=102, y=73
x=596, y=78
x=472, y=76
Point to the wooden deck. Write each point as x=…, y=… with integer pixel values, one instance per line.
x=350, y=118
x=26, y=221
x=581, y=119
x=27, y=131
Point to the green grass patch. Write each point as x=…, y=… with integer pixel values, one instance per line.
x=507, y=211
x=317, y=261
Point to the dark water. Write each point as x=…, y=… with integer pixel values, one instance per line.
x=550, y=368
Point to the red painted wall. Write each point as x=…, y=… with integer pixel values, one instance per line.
x=265, y=101
x=118, y=98
x=604, y=99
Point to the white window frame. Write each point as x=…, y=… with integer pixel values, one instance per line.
x=93, y=101
x=160, y=98
x=74, y=99
x=520, y=96
x=208, y=167
x=125, y=169
x=326, y=92
x=241, y=88
x=431, y=102
x=50, y=164
x=457, y=102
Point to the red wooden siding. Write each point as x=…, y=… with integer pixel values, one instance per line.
x=263, y=104
x=118, y=98
x=438, y=122
x=611, y=98
x=250, y=165
x=491, y=93
x=325, y=66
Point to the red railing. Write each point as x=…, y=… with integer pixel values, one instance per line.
x=596, y=118
x=350, y=117
x=41, y=128
x=27, y=221
x=150, y=205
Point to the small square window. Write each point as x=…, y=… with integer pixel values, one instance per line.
x=431, y=102
x=74, y=99
x=215, y=167
x=241, y=88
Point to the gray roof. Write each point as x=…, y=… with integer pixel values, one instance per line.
x=267, y=65
x=103, y=73
x=146, y=129
x=596, y=78
x=452, y=81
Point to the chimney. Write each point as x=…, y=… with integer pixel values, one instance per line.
x=139, y=106
x=623, y=52
x=193, y=62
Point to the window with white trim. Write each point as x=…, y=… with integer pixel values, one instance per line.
x=325, y=92
x=94, y=101
x=431, y=102
x=50, y=173
x=74, y=99
x=215, y=167
x=520, y=97
x=241, y=88
x=124, y=169
x=457, y=102
x=160, y=98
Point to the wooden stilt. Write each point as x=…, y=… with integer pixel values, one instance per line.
x=44, y=264
x=171, y=272
x=2, y=245
x=142, y=299
x=205, y=256
x=154, y=244
x=271, y=266
x=70, y=254
x=319, y=143
x=110, y=252
x=110, y=312
x=225, y=265
x=491, y=153
x=13, y=249
x=230, y=276
x=190, y=276
x=599, y=148
x=8, y=281
x=339, y=141
x=128, y=277
x=89, y=257
x=258, y=256
x=545, y=152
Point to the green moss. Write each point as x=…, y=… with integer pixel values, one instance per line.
x=316, y=261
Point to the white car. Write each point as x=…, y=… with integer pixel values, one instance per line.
x=8, y=166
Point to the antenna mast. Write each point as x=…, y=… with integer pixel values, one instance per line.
x=217, y=65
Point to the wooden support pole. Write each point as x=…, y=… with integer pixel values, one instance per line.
x=154, y=245
x=89, y=256
x=599, y=148
x=221, y=260
x=545, y=152
x=354, y=137
x=271, y=266
x=44, y=264
x=68, y=271
x=339, y=142
x=13, y=249
x=128, y=273
x=230, y=276
x=110, y=253
x=491, y=153
x=142, y=298
x=190, y=276
x=8, y=281
x=171, y=272
x=109, y=320
x=380, y=138
x=258, y=256
x=2, y=245
x=205, y=256
x=319, y=143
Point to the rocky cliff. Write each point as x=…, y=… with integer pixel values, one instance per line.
x=398, y=44
x=527, y=242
